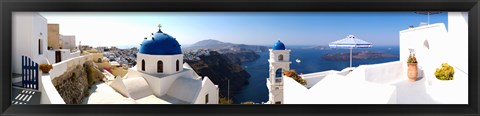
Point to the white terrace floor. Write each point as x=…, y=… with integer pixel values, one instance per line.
x=333, y=87
x=102, y=93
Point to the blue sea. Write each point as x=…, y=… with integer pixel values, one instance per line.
x=311, y=61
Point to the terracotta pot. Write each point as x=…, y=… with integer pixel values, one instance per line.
x=45, y=71
x=45, y=68
x=412, y=71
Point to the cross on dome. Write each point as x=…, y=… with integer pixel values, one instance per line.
x=159, y=28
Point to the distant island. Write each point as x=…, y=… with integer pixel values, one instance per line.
x=225, y=46
x=317, y=48
x=364, y=55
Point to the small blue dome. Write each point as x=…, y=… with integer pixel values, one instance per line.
x=161, y=44
x=278, y=46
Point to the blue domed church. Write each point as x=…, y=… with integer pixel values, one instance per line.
x=161, y=77
x=160, y=55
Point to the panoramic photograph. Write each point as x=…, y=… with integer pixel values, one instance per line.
x=239, y=58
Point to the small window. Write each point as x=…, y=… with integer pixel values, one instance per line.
x=280, y=57
x=40, y=50
x=178, y=65
x=278, y=102
x=160, y=66
x=143, y=65
x=39, y=46
x=279, y=72
x=206, y=99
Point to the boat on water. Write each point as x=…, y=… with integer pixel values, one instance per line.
x=298, y=60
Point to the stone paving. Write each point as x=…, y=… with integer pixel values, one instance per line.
x=25, y=96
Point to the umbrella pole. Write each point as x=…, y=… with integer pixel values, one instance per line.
x=428, y=14
x=350, y=57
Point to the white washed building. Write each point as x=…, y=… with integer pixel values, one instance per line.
x=29, y=38
x=161, y=77
x=62, y=45
x=387, y=83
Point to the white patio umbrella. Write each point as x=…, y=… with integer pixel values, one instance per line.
x=349, y=43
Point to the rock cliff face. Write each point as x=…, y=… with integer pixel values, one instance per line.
x=241, y=56
x=219, y=68
x=73, y=85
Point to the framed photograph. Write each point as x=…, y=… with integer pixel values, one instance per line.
x=239, y=57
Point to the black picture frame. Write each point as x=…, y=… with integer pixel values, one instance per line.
x=9, y=6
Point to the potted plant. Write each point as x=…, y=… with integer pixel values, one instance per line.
x=412, y=67
x=445, y=72
x=45, y=68
x=294, y=75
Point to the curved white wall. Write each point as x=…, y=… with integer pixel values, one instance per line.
x=49, y=94
x=63, y=66
x=169, y=63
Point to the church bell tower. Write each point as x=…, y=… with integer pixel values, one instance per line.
x=278, y=62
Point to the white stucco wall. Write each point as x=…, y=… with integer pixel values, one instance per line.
x=336, y=89
x=160, y=85
x=295, y=93
x=27, y=28
x=275, y=53
x=183, y=83
x=313, y=78
x=50, y=56
x=185, y=88
x=49, y=94
x=429, y=58
x=61, y=67
x=169, y=63
x=385, y=73
x=65, y=55
x=444, y=47
x=207, y=88
x=458, y=40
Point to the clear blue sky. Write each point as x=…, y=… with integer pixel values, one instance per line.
x=256, y=28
